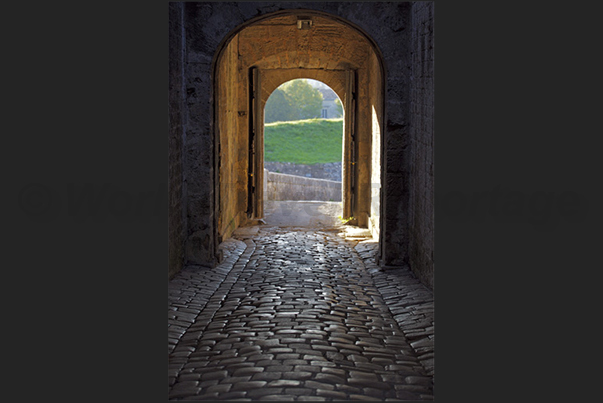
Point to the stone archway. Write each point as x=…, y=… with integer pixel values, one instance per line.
x=253, y=61
x=401, y=35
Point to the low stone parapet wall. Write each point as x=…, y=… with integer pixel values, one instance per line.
x=330, y=170
x=291, y=187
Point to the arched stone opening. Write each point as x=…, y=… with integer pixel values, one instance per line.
x=257, y=58
x=402, y=37
x=303, y=144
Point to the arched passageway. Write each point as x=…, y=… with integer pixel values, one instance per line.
x=384, y=50
x=256, y=59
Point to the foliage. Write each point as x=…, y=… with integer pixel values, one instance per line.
x=306, y=98
x=294, y=100
x=310, y=141
x=279, y=108
x=338, y=107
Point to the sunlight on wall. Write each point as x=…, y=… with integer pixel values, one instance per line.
x=375, y=173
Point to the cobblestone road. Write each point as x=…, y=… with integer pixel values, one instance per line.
x=299, y=314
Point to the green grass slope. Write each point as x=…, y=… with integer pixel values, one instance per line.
x=311, y=141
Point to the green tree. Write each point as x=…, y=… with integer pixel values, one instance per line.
x=338, y=107
x=306, y=99
x=279, y=108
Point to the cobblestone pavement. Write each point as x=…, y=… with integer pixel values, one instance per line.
x=299, y=314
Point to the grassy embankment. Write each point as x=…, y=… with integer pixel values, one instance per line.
x=312, y=141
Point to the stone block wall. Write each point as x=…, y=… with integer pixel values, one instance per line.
x=175, y=118
x=395, y=160
x=291, y=187
x=232, y=141
x=202, y=36
x=329, y=170
x=421, y=208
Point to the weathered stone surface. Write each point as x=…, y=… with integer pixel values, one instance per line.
x=421, y=207
x=330, y=171
x=292, y=187
x=362, y=354
x=176, y=224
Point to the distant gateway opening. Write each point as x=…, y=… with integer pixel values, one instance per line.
x=303, y=155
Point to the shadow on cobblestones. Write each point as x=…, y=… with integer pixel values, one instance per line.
x=299, y=314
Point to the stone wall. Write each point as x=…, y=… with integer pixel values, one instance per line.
x=330, y=171
x=396, y=158
x=421, y=225
x=290, y=187
x=233, y=152
x=175, y=111
x=375, y=91
x=202, y=37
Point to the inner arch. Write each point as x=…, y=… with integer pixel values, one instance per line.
x=332, y=51
x=303, y=155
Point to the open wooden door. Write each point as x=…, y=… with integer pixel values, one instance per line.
x=350, y=148
x=255, y=172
